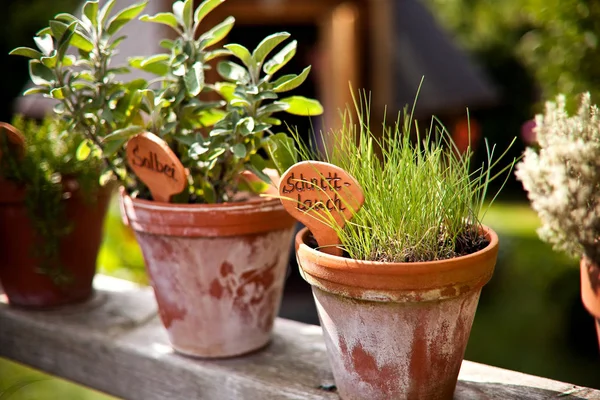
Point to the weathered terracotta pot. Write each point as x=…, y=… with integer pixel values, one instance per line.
x=396, y=330
x=590, y=290
x=23, y=284
x=217, y=270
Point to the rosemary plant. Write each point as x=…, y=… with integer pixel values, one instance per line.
x=46, y=166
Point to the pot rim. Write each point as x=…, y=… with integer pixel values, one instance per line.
x=397, y=282
x=345, y=263
x=204, y=220
x=179, y=207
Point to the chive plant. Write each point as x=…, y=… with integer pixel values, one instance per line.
x=423, y=198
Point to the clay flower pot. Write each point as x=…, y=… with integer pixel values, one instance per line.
x=590, y=290
x=396, y=330
x=23, y=285
x=217, y=270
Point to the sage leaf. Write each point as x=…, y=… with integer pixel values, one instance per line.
x=194, y=79
x=124, y=133
x=164, y=18
x=267, y=45
x=26, y=52
x=241, y=52
x=204, y=9
x=290, y=82
x=239, y=150
x=280, y=59
x=39, y=73
x=44, y=43
x=123, y=17
x=217, y=33
x=282, y=151
x=299, y=105
x=233, y=72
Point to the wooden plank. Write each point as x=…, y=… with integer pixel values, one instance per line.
x=115, y=343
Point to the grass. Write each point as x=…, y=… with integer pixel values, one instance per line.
x=423, y=197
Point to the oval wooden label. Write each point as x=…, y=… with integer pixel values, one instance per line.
x=15, y=138
x=156, y=165
x=319, y=194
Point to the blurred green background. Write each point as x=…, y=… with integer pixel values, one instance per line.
x=530, y=316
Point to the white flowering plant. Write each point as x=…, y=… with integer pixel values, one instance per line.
x=562, y=177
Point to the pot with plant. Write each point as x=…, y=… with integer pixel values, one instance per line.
x=51, y=215
x=192, y=157
x=562, y=179
x=396, y=287
x=52, y=226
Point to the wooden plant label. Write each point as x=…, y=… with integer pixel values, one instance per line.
x=156, y=165
x=315, y=192
x=14, y=137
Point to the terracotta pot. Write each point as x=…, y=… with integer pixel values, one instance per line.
x=396, y=330
x=23, y=284
x=217, y=270
x=590, y=290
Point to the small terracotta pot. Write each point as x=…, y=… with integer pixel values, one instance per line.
x=23, y=284
x=217, y=270
x=396, y=330
x=590, y=290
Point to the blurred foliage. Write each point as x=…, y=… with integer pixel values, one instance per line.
x=26, y=18
x=120, y=255
x=18, y=382
x=45, y=170
x=555, y=40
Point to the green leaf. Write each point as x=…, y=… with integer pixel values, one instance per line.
x=39, y=73
x=239, y=150
x=45, y=44
x=57, y=94
x=83, y=150
x=274, y=107
x=82, y=42
x=208, y=192
x=178, y=7
x=233, y=72
x=58, y=28
x=211, y=55
x=164, y=18
x=290, y=82
x=50, y=62
x=210, y=117
x=188, y=13
x=123, y=17
x=299, y=105
x=217, y=33
x=280, y=59
x=123, y=133
x=267, y=45
x=35, y=90
x=241, y=52
x=282, y=151
x=155, y=64
x=26, y=52
x=67, y=18
x=113, y=146
x=246, y=125
x=65, y=39
x=225, y=89
x=194, y=79
x=105, y=11
x=204, y=9
x=167, y=44
x=90, y=10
